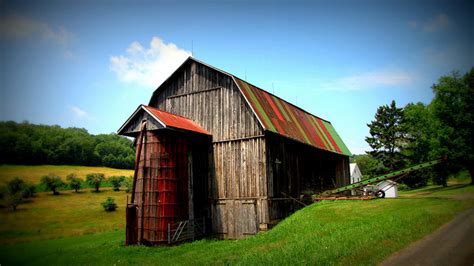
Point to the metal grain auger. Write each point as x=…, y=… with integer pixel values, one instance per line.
x=368, y=189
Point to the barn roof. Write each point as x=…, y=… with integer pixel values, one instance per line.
x=165, y=120
x=281, y=117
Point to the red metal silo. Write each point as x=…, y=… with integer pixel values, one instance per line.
x=161, y=190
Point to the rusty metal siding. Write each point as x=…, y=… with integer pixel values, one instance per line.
x=161, y=193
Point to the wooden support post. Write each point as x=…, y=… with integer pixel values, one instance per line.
x=142, y=203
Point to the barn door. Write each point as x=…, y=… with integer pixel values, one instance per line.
x=246, y=218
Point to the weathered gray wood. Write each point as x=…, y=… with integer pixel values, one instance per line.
x=246, y=168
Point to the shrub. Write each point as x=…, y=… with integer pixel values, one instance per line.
x=74, y=182
x=109, y=205
x=52, y=182
x=128, y=183
x=116, y=182
x=95, y=180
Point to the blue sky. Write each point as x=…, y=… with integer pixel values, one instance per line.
x=91, y=63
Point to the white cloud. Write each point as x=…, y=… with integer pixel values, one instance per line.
x=370, y=80
x=436, y=23
x=78, y=112
x=148, y=67
x=14, y=26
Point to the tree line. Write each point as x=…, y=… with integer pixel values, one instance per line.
x=30, y=144
x=416, y=133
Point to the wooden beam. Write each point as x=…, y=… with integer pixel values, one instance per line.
x=194, y=92
x=239, y=139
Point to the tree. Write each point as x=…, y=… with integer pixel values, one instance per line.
x=368, y=166
x=74, y=182
x=16, y=191
x=13, y=199
x=52, y=182
x=128, y=183
x=25, y=143
x=387, y=136
x=453, y=108
x=116, y=182
x=420, y=128
x=95, y=180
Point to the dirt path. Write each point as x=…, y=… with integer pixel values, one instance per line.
x=452, y=244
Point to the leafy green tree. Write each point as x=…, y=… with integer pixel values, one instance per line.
x=453, y=108
x=16, y=191
x=128, y=183
x=25, y=143
x=28, y=191
x=95, y=180
x=16, y=185
x=368, y=166
x=116, y=182
x=388, y=136
x=74, y=182
x=13, y=199
x=52, y=182
x=420, y=126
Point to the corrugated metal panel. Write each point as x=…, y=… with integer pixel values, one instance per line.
x=176, y=121
x=286, y=119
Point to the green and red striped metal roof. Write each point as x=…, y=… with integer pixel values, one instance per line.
x=281, y=117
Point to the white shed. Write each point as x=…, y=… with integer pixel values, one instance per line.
x=389, y=187
x=356, y=175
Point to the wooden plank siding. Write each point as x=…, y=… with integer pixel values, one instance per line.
x=237, y=176
x=209, y=98
x=295, y=169
x=135, y=124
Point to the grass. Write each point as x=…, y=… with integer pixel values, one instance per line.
x=74, y=229
x=34, y=173
x=47, y=216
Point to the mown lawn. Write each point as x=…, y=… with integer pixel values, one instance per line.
x=341, y=233
x=33, y=174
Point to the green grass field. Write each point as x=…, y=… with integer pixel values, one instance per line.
x=34, y=173
x=73, y=229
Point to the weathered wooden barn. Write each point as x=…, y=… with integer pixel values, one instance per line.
x=214, y=147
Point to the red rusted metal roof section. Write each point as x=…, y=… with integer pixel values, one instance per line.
x=283, y=118
x=175, y=121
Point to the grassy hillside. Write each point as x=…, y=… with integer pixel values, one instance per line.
x=34, y=173
x=340, y=232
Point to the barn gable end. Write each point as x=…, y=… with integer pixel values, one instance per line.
x=210, y=98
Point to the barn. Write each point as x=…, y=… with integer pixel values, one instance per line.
x=218, y=155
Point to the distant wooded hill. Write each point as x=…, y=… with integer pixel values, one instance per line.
x=25, y=143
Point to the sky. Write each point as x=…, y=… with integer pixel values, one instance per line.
x=89, y=64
